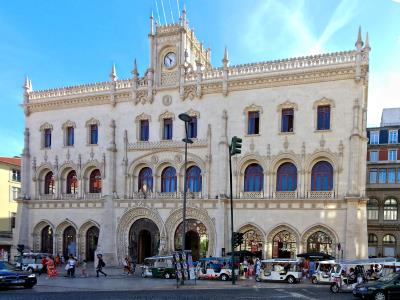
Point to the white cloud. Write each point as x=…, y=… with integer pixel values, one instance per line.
x=397, y=1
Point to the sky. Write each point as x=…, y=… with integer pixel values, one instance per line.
x=61, y=43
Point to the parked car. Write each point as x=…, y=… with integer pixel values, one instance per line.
x=11, y=276
x=385, y=288
x=158, y=267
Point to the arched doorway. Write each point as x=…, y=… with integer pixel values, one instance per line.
x=144, y=239
x=320, y=242
x=69, y=241
x=252, y=240
x=47, y=240
x=196, y=238
x=284, y=245
x=92, y=238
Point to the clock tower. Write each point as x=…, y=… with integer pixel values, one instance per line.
x=174, y=51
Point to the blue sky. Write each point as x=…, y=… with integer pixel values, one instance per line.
x=60, y=43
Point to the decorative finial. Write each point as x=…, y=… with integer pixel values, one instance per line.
x=113, y=74
x=367, y=43
x=225, y=60
x=26, y=84
x=135, y=71
x=359, y=42
x=184, y=14
x=152, y=23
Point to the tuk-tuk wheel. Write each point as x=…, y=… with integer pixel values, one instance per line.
x=314, y=280
x=379, y=295
x=143, y=275
x=334, y=288
x=258, y=278
x=224, y=277
x=291, y=279
x=167, y=276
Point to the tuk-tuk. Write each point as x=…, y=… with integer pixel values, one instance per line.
x=158, y=267
x=323, y=272
x=215, y=268
x=285, y=270
x=347, y=274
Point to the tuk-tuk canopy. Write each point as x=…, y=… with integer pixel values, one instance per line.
x=366, y=262
x=280, y=260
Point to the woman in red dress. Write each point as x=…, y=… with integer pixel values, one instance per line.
x=51, y=269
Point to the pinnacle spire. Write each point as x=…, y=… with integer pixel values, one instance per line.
x=367, y=42
x=135, y=71
x=113, y=74
x=225, y=60
x=152, y=23
x=27, y=84
x=359, y=42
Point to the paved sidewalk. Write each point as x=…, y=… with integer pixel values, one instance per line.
x=117, y=281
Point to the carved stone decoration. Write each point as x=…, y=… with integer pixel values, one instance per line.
x=178, y=158
x=322, y=141
x=287, y=104
x=309, y=232
x=34, y=164
x=303, y=150
x=341, y=147
x=56, y=162
x=252, y=107
x=190, y=92
x=268, y=151
x=142, y=116
x=286, y=143
x=167, y=100
x=166, y=115
x=323, y=101
x=193, y=113
x=175, y=219
x=128, y=218
x=154, y=159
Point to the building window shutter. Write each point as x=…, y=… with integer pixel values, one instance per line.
x=368, y=136
x=383, y=136
x=383, y=154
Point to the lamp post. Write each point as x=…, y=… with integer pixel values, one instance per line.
x=185, y=118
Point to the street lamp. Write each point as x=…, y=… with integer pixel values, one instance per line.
x=187, y=119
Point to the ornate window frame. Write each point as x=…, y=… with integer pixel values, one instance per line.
x=323, y=102
x=88, y=124
x=252, y=108
x=166, y=115
x=64, y=128
x=287, y=105
x=138, y=119
x=193, y=113
x=42, y=129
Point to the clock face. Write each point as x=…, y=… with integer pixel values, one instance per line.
x=170, y=60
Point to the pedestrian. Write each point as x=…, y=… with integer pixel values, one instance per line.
x=44, y=266
x=127, y=265
x=258, y=267
x=100, y=265
x=62, y=259
x=51, y=268
x=70, y=267
x=57, y=260
x=83, y=268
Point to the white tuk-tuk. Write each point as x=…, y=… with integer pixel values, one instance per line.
x=348, y=273
x=285, y=270
x=323, y=272
x=218, y=268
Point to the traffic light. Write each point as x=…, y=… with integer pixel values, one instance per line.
x=236, y=145
x=20, y=248
x=237, y=239
x=240, y=238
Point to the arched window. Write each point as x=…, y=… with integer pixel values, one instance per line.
x=72, y=183
x=320, y=242
x=389, y=245
x=322, y=176
x=372, y=238
x=253, y=178
x=389, y=239
x=373, y=209
x=286, y=177
x=284, y=245
x=390, y=210
x=168, y=180
x=95, y=181
x=193, y=177
x=49, y=183
x=145, y=182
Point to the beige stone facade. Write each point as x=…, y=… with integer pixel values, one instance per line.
x=279, y=220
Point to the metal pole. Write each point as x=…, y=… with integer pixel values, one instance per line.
x=232, y=246
x=184, y=198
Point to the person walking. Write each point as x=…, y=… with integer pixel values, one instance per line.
x=71, y=264
x=57, y=260
x=84, y=268
x=51, y=268
x=100, y=265
x=44, y=266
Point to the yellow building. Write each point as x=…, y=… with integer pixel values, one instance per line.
x=10, y=187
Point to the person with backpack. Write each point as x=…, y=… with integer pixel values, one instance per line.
x=100, y=265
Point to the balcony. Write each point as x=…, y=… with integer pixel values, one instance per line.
x=69, y=196
x=286, y=195
x=321, y=194
x=92, y=196
x=47, y=197
x=252, y=195
x=169, y=195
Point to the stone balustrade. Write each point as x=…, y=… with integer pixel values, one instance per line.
x=92, y=196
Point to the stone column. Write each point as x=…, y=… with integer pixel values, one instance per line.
x=356, y=239
x=22, y=229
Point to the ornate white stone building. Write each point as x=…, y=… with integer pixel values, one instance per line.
x=103, y=162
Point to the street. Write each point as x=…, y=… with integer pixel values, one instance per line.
x=309, y=293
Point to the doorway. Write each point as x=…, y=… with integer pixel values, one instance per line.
x=92, y=238
x=144, y=240
x=192, y=242
x=144, y=245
